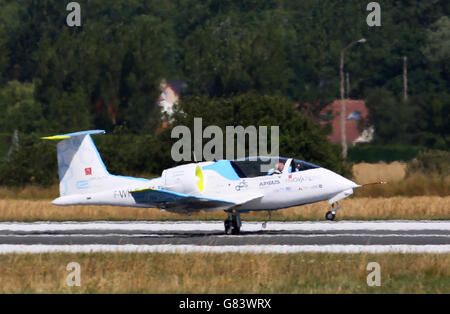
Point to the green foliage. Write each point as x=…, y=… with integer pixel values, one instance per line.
x=125, y=153
x=106, y=74
x=33, y=162
x=5, y=142
x=390, y=117
x=221, y=48
x=387, y=153
x=438, y=40
x=420, y=121
x=19, y=108
x=3, y=53
x=431, y=120
x=112, y=73
x=232, y=55
x=430, y=162
x=116, y=58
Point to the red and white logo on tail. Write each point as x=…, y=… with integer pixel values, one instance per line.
x=88, y=171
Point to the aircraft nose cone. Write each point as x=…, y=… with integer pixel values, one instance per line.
x=349, y=183
x=344, y=182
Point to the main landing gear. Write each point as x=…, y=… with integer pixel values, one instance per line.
x=330, y=215
x=264, y=224
x=233, y=222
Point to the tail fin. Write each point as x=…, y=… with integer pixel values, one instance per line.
x=80, y=166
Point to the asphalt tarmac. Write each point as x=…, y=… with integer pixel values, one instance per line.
x=211, y=234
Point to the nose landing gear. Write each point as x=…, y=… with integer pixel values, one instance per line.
x=330, y=215
x=233, y=222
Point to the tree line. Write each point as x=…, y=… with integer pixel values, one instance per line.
x=106, y=73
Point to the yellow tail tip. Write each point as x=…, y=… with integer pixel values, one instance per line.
x=56, y=137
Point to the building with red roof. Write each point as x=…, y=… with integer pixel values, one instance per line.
x=356, y=127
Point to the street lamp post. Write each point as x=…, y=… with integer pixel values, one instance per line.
x=343, y=113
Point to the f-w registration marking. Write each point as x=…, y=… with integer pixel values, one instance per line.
x=122, y=193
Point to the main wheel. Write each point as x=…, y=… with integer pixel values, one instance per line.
x=227, y=224
x=235, y=230
x=330, y=216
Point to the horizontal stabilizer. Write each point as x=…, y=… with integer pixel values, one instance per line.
x=69, y=135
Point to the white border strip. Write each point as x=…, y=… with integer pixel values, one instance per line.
x=247, y=236
x=128, y=248
x=218, y=226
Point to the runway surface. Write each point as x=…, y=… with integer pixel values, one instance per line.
x=196, y=236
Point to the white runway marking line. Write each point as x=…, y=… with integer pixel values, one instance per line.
x=218, y=226
x=84, y=235
x=267, y=249
x=153, y=235
x=384, y=235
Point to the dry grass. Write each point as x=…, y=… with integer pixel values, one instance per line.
x=366, y=173
x=419, y=207
x=417, y=184
x=224, y=273
x=398, y=184
x=30, y=192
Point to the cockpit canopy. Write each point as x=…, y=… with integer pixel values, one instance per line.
x=250, y=167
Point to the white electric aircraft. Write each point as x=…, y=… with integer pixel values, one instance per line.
x=233, y=186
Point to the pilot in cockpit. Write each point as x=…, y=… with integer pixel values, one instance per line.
x=278, y=170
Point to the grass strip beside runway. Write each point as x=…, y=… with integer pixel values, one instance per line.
x=224, y=273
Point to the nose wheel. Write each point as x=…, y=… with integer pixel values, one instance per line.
x=330, y=215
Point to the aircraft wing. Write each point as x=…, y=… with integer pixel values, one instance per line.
x=179, y=202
